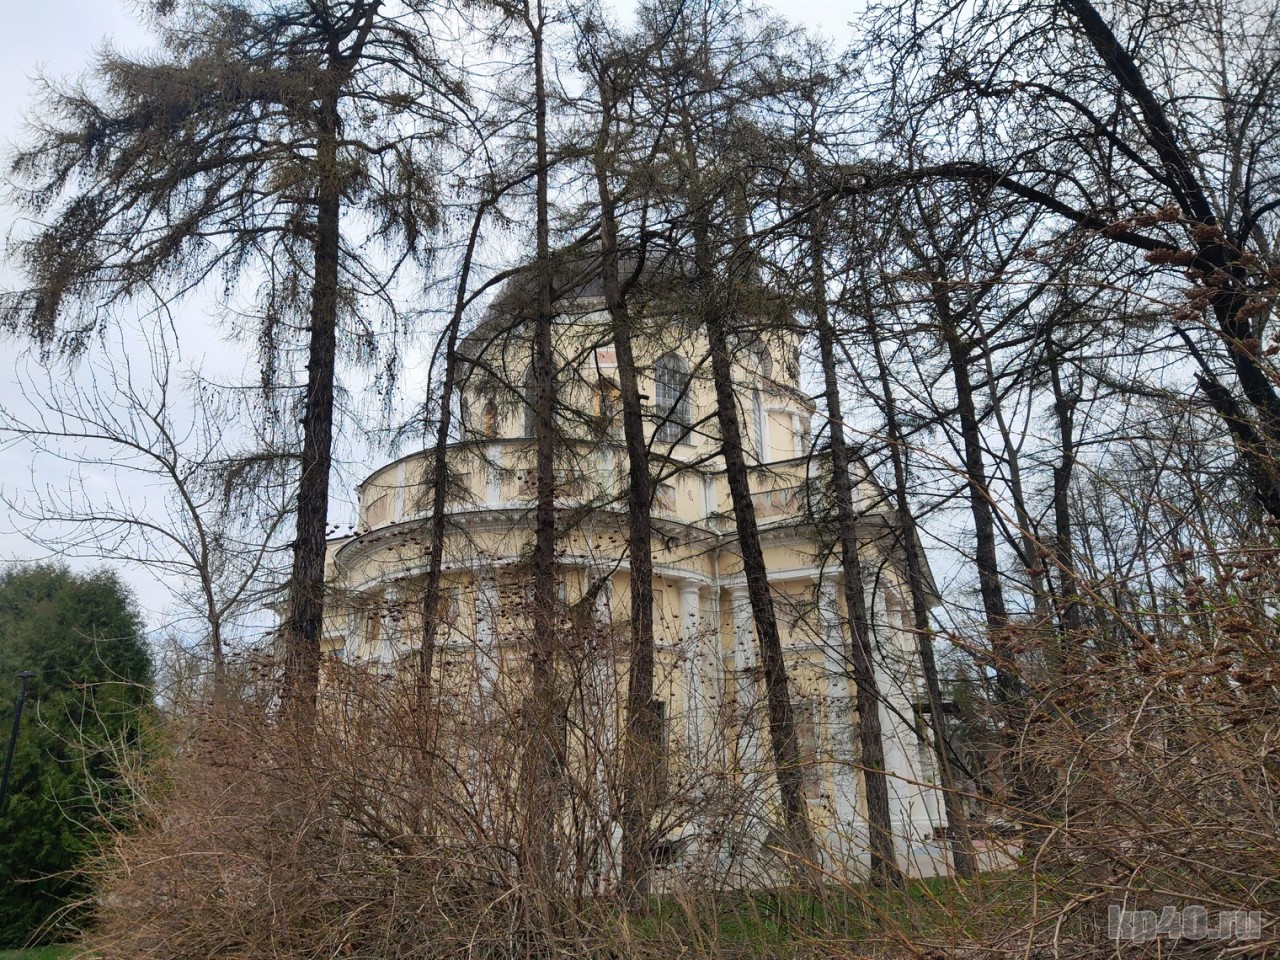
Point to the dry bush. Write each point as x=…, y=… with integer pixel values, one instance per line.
x=384, y=833
x=357, y=840
x=1152, y=743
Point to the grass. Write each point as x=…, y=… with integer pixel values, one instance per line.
x=789, y=923
x=40, y=953
x=780, y=918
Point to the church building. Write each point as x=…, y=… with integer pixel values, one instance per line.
x=708, y=685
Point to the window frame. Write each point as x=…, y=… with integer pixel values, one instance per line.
x=672, y=407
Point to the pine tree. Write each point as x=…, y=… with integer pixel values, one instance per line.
x=82, y=636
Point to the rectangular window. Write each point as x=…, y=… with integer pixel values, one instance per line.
x=607, y=401
x=447, y=607
x=664, y=500
x=671, y=395
x=568, y=483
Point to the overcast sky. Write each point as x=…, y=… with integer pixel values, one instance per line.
x=56, y=38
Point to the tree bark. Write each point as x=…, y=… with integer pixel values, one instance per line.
x=1064, y=406
x=440, y=481
x=711, y=300
x=540, y=790
x=1216, y=258
x=641, y=749
x=1010, y=697
x=305, y=617
x=1026, y=542
x=989, y=586
x=782, y=725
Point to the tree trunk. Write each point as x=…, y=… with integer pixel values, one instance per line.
x=219, y=664
x=711, y=302
x=1025, y=541
x=782, y=726
x=641, y=747
x=1215, y=257
x=989, y=586
x=305, y=606
x=213, y=613
x=540, y=790
x=1009, y=687
x=884, y=866
x=440, y=482
x=1064, y=406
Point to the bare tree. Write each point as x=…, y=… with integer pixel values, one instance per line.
x=288, y=147
x=214, y=536
x=610, y=66
x=710, y=68
x=884, y=866
x=1115, y=125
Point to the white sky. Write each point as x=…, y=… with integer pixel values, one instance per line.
x=56, y=38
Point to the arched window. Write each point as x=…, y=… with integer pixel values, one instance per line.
x=761, y=419
x=764, y=361
x=606, y=404
x=671, y=381
x=489, y=420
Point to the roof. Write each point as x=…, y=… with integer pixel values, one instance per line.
x=576, y=277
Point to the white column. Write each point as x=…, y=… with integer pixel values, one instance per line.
x=604, y=684
x=602, y=672
x=925, y=761
x=745, y=661
x=604, y=599
x=353, y=647
x=493, y=484
x=397, y=511
x=690, y=630
x=897, y=763
x=485, y=651
x=838, y=739
x=762, y=426
x=712, y=657
x=391, y=625
x=605, y=479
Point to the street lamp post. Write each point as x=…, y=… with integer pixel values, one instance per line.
x=23, y=677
